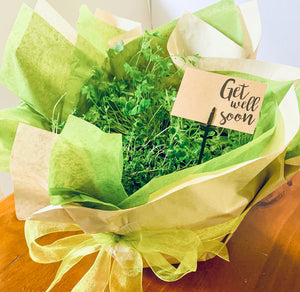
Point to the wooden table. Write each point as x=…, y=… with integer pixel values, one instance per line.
x=264, y=253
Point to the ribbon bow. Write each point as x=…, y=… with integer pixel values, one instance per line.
x=128, y=251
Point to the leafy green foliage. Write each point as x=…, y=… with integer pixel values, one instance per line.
x=138, y=106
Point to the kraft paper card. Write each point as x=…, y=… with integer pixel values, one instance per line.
x=237, y=101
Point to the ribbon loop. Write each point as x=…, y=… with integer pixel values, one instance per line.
x=87, y=247
x=182, y=245
x=127, y=271
x=97, y=278
x=56, y=251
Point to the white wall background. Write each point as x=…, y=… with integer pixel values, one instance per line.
x=280, y=23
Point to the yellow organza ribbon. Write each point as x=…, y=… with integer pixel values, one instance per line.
x=128, y=251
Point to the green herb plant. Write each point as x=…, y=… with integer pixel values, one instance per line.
x=138, y=106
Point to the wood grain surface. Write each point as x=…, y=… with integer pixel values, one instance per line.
x=264, y=254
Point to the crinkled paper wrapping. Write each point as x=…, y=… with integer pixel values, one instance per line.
x=46, y=60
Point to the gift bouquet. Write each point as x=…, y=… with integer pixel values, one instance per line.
x=93, y=146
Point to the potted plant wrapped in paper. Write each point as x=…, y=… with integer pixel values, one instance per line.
x=121, y=168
